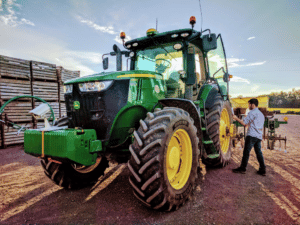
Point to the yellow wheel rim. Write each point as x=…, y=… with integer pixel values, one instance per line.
x=179, y=159
x=224, y=131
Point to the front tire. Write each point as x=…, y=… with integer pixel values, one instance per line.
x=72, y=176
x=219, y=120
x=164, y=159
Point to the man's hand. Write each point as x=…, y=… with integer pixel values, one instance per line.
x=235, y=117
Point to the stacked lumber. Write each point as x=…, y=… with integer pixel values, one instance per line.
x=43, y=71
x=63, y=109
x=18, y=111
x=14, y=77
x=15, y=80
x=10, y=88
x=14, y=68
x=45, y=90
x=11, y=136
x=23, y=77
x=64, y=74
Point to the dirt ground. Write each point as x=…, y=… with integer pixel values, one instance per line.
x=27, y=196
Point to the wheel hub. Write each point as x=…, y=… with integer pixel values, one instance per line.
x=224, y=130
x=174, y=158
x=179, y=159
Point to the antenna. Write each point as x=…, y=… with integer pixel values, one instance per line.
x=156, y=23
x=201, y=15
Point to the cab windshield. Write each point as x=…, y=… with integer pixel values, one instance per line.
x=163, y=59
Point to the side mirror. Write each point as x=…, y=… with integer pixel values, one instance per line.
x=226, y=77
x=209, y=42
x=105, y=63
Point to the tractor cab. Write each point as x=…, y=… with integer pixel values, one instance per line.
x=185, y=58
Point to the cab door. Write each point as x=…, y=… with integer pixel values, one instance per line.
x=217, y=66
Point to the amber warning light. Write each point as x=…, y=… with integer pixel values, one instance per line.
x=192, y=21
x=122, y=35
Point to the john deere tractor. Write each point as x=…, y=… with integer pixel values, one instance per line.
x=169, y=110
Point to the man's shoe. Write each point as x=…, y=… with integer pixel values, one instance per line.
x=239, y=170
x=261, y=172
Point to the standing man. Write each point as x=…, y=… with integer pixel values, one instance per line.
x=255, y=121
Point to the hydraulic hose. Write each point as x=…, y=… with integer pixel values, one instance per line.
x=16, y=126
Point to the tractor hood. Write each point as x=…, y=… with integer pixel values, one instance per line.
x=115, y=75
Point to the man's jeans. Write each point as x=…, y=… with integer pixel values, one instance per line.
x=256, y=143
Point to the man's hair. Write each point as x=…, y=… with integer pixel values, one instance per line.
x=253, y=101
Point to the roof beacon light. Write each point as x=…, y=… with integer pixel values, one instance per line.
x=151, y=32
x=192, y=21
x=123, y=36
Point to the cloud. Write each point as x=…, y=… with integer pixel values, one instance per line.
x=25, y=21
x=235, y=62
x=239, y=80
x=254, y=88
x=256, y=64
x=104, y=29
x=28, y=45
x=9, y=17
x=89, y=57
x=250, y=38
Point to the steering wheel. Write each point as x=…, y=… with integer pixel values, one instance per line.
x=161, y=67
x=165, y=62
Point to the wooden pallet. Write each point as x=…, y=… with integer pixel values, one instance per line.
x=11, y=136
x=18, y=111
x=64, y=75
x=10, y=88
x=14, y=68
x=61, y=93
x=45, y=90
x=63, y=109
x=43, y=71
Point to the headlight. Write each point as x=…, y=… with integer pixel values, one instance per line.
x=68, y=88
x=131, y=54
x=94, y=86
x=177, y=46
x=135, y=44
x=184, y=34
x=174, y=35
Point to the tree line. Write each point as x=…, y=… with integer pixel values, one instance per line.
x=283, y=99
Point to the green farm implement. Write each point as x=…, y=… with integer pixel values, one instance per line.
x=240, y=106
x=169, y=110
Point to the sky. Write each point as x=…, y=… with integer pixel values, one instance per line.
x=261, y=38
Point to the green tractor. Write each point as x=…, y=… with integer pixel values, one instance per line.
x=168, y=111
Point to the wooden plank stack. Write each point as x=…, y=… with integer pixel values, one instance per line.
x=23, y=77
x=15, y=80
x=64, y=75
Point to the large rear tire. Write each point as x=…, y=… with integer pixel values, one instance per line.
x=73, y=176
x=164, y=159
x=219, y=119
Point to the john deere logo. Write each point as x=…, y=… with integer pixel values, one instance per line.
x=76, y=105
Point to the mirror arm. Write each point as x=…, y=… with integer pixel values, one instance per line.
x=205, y=31
x=194, y=36
x=104, y=55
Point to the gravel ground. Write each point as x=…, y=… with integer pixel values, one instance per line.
x=27, y=196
